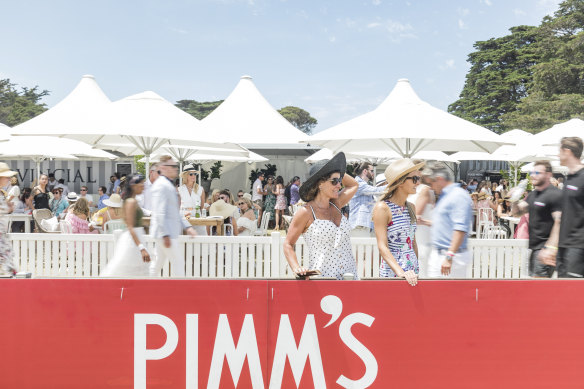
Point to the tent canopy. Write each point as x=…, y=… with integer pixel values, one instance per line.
x=553, y=135
x=246, y=117
x=406, y=124
x=380, y=156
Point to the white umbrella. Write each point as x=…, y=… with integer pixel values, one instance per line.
x=553, y=135
x=556, y=167
x=406, y=124
x=377, y=157
x=4, y=132
x=37, y=149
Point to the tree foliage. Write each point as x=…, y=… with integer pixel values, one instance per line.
x=200, y=110
x=532, y=78
x=18, y=106
x=299, y=118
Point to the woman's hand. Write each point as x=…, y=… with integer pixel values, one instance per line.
x=299, y=271
x=145, y=255
x=411, y=277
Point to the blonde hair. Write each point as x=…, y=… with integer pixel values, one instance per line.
x=82, y=206
x=390, y=191
x=184, y=180
x=247, y=201
x=164, y=158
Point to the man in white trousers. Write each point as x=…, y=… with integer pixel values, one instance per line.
x=167, y=221
x=451, y=223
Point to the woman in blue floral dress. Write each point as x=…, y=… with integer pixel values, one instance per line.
x=394, y=219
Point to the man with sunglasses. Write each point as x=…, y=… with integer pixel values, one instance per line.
x=167, y=221
x=88, y=197
x=544, y=205
x=361, y=205
x=451, y=223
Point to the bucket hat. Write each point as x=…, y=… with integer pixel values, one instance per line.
x=322, y=169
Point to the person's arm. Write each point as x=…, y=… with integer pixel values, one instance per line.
x=381, y=218
x=550, y=250
x=297, y=227
x=348, y=192
x=276, y=190
x=369, y=190
x=500, y=212
x=203, y=198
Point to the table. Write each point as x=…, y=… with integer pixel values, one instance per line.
x=19, y=217
x=208, y=221
x=513, y=221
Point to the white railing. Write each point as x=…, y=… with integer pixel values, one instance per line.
x=62, y=255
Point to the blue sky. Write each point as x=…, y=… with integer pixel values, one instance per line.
x=336, y=59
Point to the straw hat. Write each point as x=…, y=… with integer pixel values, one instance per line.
x=247, y=196
x=322, y=169
x=482, y=196
x=5, y=170
x=115, y=201
x=221, y=208
x=400, y=168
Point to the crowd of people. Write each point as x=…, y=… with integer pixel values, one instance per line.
x=419, y=216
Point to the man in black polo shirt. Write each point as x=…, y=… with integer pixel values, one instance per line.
x=544, y=206
x=570, y=259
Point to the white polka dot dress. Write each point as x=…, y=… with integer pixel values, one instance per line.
x=329, y=247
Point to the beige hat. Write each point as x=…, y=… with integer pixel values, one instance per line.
x=115, y=201
x=247, y=196
x=5, y=170
x=221, y=208
x=400, y=168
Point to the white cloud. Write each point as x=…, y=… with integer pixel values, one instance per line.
x=519, y=12
x=487, y=2
x=548, y=6
x=461, y=24
x=376, y=2
x=448, y=64
x=396, y=30
x=373, y=25
x=332, y=39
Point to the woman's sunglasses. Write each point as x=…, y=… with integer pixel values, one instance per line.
x=192, y=174
x=415, y=179
x=335, y=181
x=240, y=203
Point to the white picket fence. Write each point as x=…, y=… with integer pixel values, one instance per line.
x=60, y=255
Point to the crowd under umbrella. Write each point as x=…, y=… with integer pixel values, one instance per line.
x=42, y=148
x=407, y=125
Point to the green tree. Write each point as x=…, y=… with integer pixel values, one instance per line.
x=299, y=118
x=200, y=110
x=18, y=106
x=499, y=77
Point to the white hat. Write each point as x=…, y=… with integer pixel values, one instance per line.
x=5, y=170
x=72, y=196
x=380, y=179
x=221, y=208
x=115, y=201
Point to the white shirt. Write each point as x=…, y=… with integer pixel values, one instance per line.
x=255, y=195
x=145, y=199
x=89, y=199
x=190, y=200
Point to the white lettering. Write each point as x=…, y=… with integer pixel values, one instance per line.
x=192, y=362
x=286, y=349
x=141, y=353
x=247, y=346
x=358, y=348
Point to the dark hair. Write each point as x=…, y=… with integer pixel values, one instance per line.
x=117, y=175
x=279, y=180
x=26, y=192
x=359, y=167
x=497, y=193
x=572, y=143
x=51, y=175
x=294, y=179
x=61, y=180
x=312, y=192
x=134, y=179
x=545, y=164
x=84, y=187
x=103, y=189
x=225, y=192
x=261, y=174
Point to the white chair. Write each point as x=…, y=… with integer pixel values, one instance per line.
x=263, y=230
x=112, y=225
x=494, y=232
x=65, y=227
x=486, y=217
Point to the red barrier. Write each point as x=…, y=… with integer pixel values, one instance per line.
x=205, y=334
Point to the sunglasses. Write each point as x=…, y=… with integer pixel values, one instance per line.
x=415, y=179
x=240, y=203
x=56, y=192
x=192, y=174
x=534, y=173
x=335, y=181
x=84, y=190
x=239, y=195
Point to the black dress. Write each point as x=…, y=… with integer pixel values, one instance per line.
x=41, y=200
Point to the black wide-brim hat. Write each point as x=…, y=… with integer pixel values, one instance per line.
x=322, y=169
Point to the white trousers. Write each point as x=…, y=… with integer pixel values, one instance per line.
x=423, y=256
x=163, y=255
x=460, y=263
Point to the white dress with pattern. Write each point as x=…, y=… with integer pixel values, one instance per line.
x=329, y=247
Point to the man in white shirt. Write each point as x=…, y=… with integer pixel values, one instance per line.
x=88, y=197
x=145, y=199
x=257, y=194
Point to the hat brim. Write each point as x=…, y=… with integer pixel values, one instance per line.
x=406, y=172
x=338, y=163
x=9, y=173
x=111, y=204
x=224, y=213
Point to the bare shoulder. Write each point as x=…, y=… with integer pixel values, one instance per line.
x=381, y=209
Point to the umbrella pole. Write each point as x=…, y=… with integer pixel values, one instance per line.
x=147, y=164
x=180, y=167
x=374, y=173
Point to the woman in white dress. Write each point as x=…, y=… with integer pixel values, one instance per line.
x=192, y=195
x=325, y=229
x=247, y=223
x=131, y=259
x=424, y=201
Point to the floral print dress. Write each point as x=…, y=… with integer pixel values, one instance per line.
x=270, y=201
x=400, y=239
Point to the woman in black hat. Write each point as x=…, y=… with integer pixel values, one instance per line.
x=326, y=231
